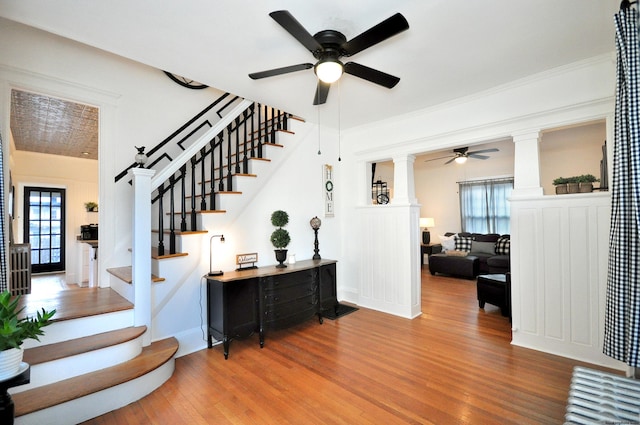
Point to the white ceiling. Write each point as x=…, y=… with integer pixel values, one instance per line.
x=452, y=48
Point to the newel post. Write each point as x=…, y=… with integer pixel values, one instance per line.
x=141, y=256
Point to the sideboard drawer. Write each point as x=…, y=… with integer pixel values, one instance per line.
x=288, y=293
x=291, y=313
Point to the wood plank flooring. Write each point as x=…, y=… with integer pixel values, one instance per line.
x=452, y=365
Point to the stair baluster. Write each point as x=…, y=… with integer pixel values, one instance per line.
x=160, y=218
x=203, y=187
x=193, y=194
x=259, y=131
x=212, y=173
x=229, y=150
x=245, y=158
x=172, y=211
x=183, y=199
x=273, y=126
x=221, y=162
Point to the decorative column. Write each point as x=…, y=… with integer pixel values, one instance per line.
x=526, y=164
x=141, y=256
x=404, y=189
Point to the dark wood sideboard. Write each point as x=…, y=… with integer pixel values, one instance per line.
x=240, y=303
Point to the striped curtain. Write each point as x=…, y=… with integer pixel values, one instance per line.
x=4, y=220
x=622, y=317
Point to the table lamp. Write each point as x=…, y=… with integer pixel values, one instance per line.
x=426, y=222
x=211, y=271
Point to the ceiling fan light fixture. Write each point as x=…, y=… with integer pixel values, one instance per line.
x=329, y=70
x=461, y=159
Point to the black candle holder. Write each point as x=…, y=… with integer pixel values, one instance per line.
x=315, y=225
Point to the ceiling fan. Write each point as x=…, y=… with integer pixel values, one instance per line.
x=329, y=46
x=460, y=155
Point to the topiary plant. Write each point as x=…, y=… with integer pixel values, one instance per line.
x=280, y=237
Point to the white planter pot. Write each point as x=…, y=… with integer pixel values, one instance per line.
x=10, y=362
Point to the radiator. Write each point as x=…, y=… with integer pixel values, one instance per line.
x=602, y=398
x=20, y=265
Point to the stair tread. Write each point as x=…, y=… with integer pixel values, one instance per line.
x=50, y=395
x=125, y=273
x=156, y=256
x=46, y=353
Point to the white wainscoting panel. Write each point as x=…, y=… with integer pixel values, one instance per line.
x=559, y=274
x=389, y=262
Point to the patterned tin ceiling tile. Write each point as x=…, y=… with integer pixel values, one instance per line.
x=53, y=126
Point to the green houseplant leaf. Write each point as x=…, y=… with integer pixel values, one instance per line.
x=15, y=328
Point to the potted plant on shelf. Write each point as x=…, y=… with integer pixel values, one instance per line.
x=561, y=185
x=15, y=328
x=91, y=206
x=280, y=237
x=573, y=185
x=586, y=182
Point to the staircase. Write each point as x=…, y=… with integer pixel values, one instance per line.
x=90, y=361
x=87, y=366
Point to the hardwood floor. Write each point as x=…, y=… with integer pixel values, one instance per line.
x=454, y=364
x=70, y=301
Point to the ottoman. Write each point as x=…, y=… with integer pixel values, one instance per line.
x=495, y=289
x=454, y=265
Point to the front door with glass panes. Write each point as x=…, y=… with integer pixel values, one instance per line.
x=44, y=227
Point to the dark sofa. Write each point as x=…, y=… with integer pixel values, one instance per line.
x=474, y=254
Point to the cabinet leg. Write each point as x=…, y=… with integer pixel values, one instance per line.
x=225, y=345
x=320, y=318
x=481, y=304
x=209, y=341
x=261, y=338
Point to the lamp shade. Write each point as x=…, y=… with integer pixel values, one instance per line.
x=427, y=222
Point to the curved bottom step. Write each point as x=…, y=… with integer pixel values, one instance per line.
x=86, y=396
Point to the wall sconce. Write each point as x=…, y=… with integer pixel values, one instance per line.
x=426, y=222
x=211, y=271
x=141, y=157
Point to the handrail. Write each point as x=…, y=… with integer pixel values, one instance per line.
x=178, y=131
x=195, y=147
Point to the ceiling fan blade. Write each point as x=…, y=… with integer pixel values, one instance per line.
x=370, y=74
x=439, y=158
x=322, y=91
x=484, y=151
x=279, y=71
x=295, y=28
x=476, y=156
x=451, y=160
x=374, y=35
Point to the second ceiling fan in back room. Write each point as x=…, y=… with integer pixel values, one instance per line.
x=460, y=155
x=329, y=46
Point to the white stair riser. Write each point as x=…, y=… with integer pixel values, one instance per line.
x=85, y=326
x=93, y=405
x=68, y=367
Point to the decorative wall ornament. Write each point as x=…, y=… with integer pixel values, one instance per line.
x=327, y=178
